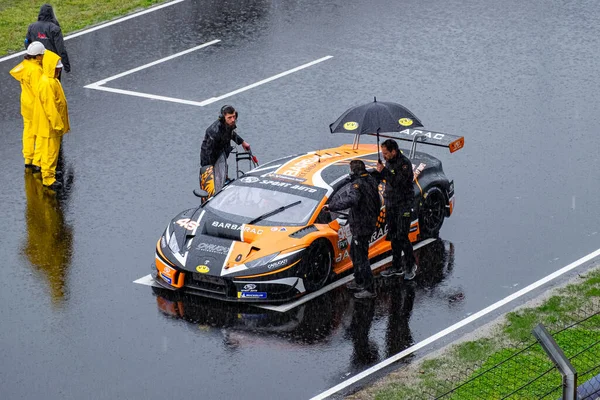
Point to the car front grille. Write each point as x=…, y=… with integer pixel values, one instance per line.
x=208, y=283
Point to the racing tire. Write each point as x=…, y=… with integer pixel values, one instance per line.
x=432, y=213
x=316, y=265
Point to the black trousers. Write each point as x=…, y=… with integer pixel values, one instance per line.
x=359, y=254
x=398, y=223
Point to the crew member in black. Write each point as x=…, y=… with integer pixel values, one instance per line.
x=362, y=198
x=47, y=30
x=399, y=199
x=219, y=135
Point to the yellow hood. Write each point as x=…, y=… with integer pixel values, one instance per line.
x=49, y=63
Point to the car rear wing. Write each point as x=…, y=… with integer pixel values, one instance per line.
x=452, y=142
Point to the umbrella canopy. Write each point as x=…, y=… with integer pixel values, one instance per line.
x=375, y=117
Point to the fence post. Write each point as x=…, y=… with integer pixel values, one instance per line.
x=569, y=375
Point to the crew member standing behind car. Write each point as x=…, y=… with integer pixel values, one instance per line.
x=399, y=199
x=28, y=73
x=50, y=118
x=363, y=201
x=217, y=140
x=47, y=31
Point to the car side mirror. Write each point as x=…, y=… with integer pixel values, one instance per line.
x=335, y=225
x=200, y=193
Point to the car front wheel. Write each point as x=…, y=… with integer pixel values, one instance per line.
x=316, y=265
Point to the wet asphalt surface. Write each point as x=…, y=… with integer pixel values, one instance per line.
x=519, y=81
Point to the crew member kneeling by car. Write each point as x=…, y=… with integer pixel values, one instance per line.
x=363, y=200
x=399, y=199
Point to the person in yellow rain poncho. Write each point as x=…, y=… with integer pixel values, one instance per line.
x=28, y=73
x=49, y=242
x=50, y=118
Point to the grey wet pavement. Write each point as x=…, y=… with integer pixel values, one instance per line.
x=519, y=81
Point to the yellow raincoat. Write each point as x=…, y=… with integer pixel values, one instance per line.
x=28, y=73
x=50, y=117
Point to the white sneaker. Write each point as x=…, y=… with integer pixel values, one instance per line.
x=410, y=275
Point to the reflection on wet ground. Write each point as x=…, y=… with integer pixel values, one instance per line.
x=315, y=322
x=48, y=245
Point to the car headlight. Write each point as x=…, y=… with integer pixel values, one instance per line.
x=261, y=261
x=173, y=243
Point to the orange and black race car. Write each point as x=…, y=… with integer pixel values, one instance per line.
x=265, y=238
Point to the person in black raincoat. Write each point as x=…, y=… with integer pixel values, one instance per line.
x=216, y=147
x=363, y=200
x=399, y=199
x=47, y=30
x=219, y=135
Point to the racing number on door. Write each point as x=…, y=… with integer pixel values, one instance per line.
x=187, y=224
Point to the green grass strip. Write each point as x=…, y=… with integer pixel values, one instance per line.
x=508, y=362
x=73, y=15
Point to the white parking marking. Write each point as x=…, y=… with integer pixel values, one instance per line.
x=148, y=280
x=333, y=285
x=153, y=63
x=290, y=71
x=102, y=26
x=99, y=85
x=456, y=326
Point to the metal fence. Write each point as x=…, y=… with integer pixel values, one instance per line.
x=536, y=370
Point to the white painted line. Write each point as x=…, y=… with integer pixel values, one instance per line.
x=145, y=95
x=456, y=326
x=291, y=71
x=131, y=71
x=98, y=85
x=333, y=285
x=95, y=28
x=148, y=280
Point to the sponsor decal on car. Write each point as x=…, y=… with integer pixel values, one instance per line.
x=236, y=227
x=249, y=179
x=405, y=121
x=166, y=278
x=277, y=264
x=430, y=135
x=212, y=248
x=285, y=177
x=252, y=295
x=203, y=269
x=288, y=185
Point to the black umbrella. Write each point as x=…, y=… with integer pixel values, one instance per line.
x=375, y=117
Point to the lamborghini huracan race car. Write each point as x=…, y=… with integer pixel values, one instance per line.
x=265, y=237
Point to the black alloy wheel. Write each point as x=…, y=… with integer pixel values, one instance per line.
x=432, y=213
x=316, y=265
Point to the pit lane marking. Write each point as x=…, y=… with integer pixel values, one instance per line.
x=105, y=25
x=148, y=280
x=456, y=326
x=289, y=306
x=99, y=85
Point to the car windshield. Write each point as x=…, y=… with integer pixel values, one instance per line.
x=251, y=202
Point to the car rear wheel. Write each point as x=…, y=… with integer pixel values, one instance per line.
x=316, y=265
x=432, y=213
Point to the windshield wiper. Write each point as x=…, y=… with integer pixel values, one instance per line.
x=275, y=211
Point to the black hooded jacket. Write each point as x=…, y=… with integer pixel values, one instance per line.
x=363, y=200
x=47, y=31
x=217, y=140
x=399, y=190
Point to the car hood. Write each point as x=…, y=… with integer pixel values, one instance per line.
x=217, y=246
